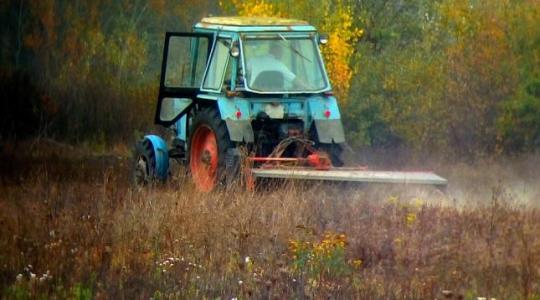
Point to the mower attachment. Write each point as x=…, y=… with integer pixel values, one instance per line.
x=352, y=175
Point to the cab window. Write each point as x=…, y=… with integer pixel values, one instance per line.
x=216, y=68
x=181, y=70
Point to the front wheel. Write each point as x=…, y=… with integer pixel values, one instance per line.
x=144, y=171
x=209, y=143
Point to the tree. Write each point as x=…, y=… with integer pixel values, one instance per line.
x=333, y=17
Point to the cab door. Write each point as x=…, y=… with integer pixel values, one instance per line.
x=185, y=56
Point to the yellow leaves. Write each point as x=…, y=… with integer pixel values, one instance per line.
x=410, y=218
x=327, y=247
x=340, y=49
x=418, y=202
x=329, y=243
x=356, y=263
x=406, y=211
x=335, y=19
x=322, y=261
x=158, y=5
x=296, y=247
x=480, y=56
x=255, y=8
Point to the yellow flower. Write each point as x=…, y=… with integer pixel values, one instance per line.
x=410, y=218
x=393, y=199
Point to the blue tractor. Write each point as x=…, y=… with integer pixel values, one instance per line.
x=250, y=98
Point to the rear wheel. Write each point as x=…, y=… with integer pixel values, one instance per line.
x=209, y=143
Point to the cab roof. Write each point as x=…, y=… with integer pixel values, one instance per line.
x=246, y=24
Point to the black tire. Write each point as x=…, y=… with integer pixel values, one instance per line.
x=144, y=162
x=210, y=117
x=335, y=151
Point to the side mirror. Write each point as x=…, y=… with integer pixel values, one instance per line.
x=172, y=107
x=323, y=38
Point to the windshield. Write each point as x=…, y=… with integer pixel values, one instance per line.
x=279, y=63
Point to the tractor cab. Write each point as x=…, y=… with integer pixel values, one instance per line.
x=234, y=85
x=250, y=68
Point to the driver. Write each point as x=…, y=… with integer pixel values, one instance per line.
x=270, y=62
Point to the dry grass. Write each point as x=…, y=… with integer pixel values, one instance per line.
x=80, y=222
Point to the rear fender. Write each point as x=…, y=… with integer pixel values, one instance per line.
x=161, y=152
x=324, y=112
x=236, y=114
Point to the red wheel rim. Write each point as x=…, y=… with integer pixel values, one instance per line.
x=204, y=158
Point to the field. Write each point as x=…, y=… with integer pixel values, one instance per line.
x=72, y=226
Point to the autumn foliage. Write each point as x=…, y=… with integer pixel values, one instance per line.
x=334, y=18
x=459, y=77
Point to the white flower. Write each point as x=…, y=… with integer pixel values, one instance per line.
x=32, y=276
x=240, y=282
x=247, y=259
x=19, y=277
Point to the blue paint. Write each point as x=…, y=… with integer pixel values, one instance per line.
x=310, y=108
x=228, y=108
x=181, y=128
x=296, y=110
x=162, y=155
x=317, y=106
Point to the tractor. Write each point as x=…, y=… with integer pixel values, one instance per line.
x=250, y=98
